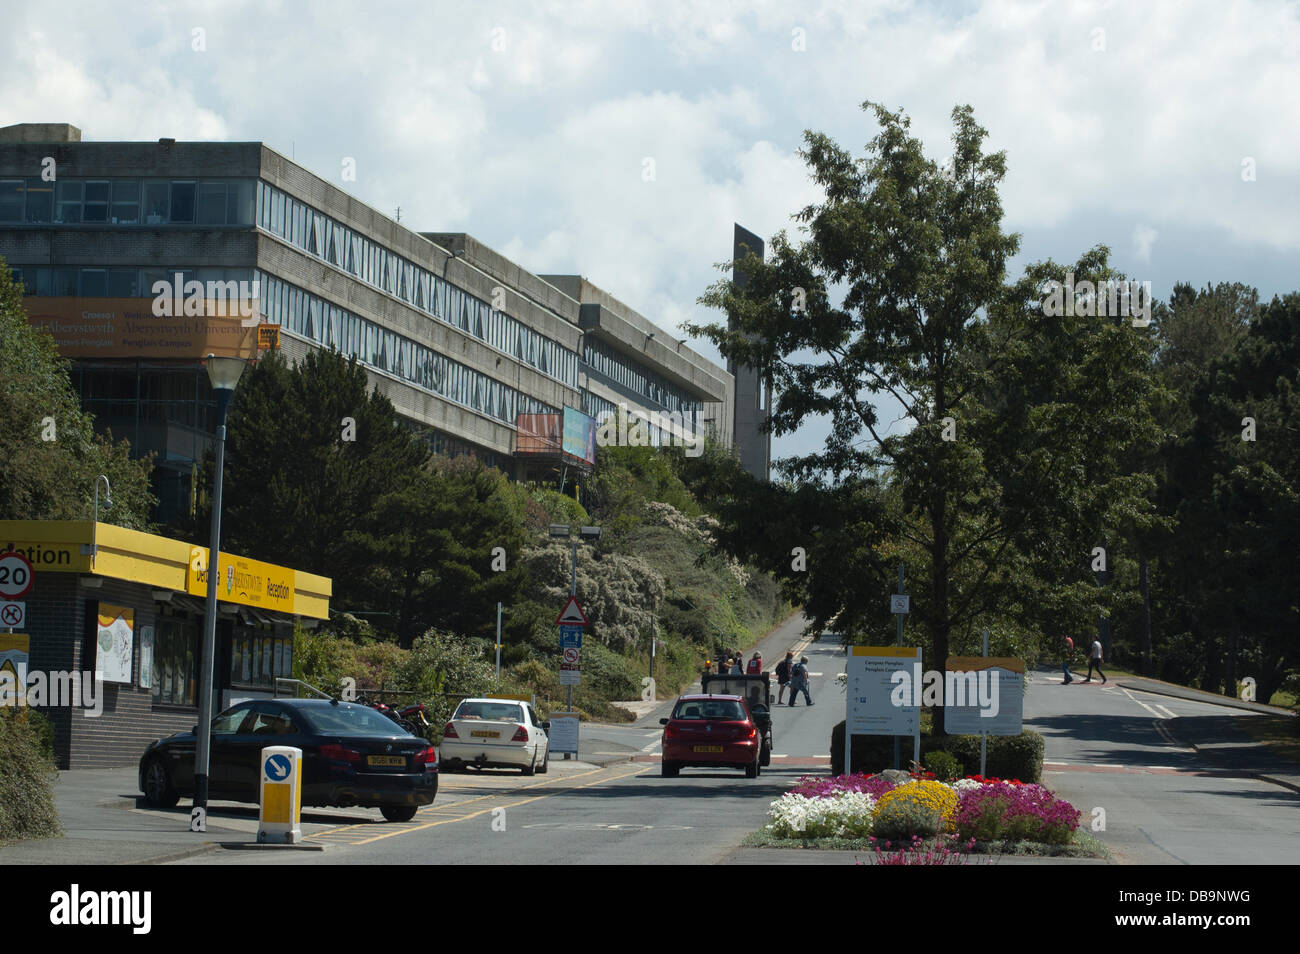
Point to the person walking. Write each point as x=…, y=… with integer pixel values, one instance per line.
x=783, y=677
x=799, y=681
x=1067, y=649
x=1094, y=659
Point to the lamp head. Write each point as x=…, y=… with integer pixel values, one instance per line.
x=224, y=373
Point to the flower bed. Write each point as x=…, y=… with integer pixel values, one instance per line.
x=921, y=817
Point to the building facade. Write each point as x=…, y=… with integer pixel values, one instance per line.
x=467, y=345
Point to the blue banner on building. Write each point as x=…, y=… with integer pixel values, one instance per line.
x=579, y=435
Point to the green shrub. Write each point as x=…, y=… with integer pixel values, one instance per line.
x=26, y=778
x=944, y=766
x=1008, y=756
x=904, y=818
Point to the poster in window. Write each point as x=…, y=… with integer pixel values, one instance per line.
x=146, y=657
x=114, y=643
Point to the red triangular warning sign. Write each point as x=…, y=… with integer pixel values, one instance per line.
x=572, y=614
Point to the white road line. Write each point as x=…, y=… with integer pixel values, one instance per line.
x=651, y=747
x=783, y=755
x=1169, y=713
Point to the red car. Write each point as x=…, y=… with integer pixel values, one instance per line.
x=711, y=730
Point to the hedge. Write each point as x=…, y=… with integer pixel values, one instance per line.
x=26, y=777
x=1009, y=756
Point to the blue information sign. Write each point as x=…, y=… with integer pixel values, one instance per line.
x=570, y=637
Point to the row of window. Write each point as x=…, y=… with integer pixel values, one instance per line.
x=604, y=360
x=597, y=407
x=327, y=324
x=93, y=282
x=258, y=657
x=128, y=201
x=321, y=236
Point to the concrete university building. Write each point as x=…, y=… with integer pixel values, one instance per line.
x=476, y=353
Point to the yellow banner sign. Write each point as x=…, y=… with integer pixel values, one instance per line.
x=244, y=581
x=977, y=663
x=65, y=557
x=129, y=328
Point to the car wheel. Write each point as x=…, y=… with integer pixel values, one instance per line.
x=546, y=763
x=158, y=789
x=751, y=770
x=670, y=769
x=531, y=767
x=398, y=813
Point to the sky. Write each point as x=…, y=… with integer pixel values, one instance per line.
x=622, y=140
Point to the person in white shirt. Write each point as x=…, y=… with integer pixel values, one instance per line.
x=1094, y=659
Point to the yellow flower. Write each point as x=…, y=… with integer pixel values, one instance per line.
x=935, y=796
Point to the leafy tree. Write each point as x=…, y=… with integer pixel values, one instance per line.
x=444, y=549
x=52, y=455
x=310, y=451
x=1012, y=466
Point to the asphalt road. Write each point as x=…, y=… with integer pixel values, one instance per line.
x=1113, y=752
x=1113, y=749
x=624, y=812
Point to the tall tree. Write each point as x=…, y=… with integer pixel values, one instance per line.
x=1008, y=471
x=310, y=451
x=52, y=455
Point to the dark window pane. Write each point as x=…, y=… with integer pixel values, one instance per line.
x=212, y=203
x=126, y=201
x=239, y=202
x=94, y=282
x=183, y=201
x=156, y=202
x=11, y=200
x=40, y=200
x=122, y=283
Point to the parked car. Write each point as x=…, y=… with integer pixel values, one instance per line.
x=714, y=731
x=351, y=755
x=496, y=733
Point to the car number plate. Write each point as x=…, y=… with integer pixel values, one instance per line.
x=708, y=748
x=386, y=761
x=485, y=734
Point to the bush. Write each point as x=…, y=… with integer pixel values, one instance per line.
x=944, y=766
x=26, y=777
x=1009, y=756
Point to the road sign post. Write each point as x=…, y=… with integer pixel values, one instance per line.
x=571, y=622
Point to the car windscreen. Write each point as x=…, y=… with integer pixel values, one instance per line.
x=709, y=709
x=350, y=719
x=490, y=711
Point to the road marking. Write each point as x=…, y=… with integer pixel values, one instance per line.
x=783, y=755
x=449, y=806
x=652, y=746
x=484, y=811
x=1169, y=713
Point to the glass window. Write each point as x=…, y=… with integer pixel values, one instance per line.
x=96, y=202
x=156, y=202
x=69, y=200
x=183, y=201
x=239, y=202
x=40, y=200
x=94, y=282
x=126, y=201
x=176, y=662
x=211, y=203
x=63, y=282
x=11, y=200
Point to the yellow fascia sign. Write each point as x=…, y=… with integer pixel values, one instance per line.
x=244, y=581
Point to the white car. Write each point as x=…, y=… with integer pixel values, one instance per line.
x=496, y=733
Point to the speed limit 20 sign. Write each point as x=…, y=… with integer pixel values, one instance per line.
x=15, y=575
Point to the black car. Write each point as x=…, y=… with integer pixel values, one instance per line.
x=351, y=755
